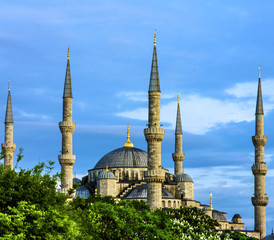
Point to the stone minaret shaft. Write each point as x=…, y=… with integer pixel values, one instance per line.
x=154, y=135
x=67, y=159
x=8, y=146
x=178, y=156
x=259, y=169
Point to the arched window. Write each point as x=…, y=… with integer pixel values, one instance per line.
x=163, y=204
x=169, y=204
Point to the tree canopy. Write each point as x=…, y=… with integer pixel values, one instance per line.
x=31, y=208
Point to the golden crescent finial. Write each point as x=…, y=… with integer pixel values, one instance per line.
x=106, y=167
x=68, y=52
x=259, y=72
x=178, y=97
x=183, y=170
x=9, y=84
x=75, y=175
x=211, y=208
x=155, y=37
x=128, y=143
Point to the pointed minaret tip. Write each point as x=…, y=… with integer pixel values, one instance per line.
x=68, y=52
x=128, y=143
x=155, y=37
x=178, y=97
x=178, y=129
x=67, y=86
x=259, y=105
x=9, y=116
x=154, y=83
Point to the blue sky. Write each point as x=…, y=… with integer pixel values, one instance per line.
x=209, y=51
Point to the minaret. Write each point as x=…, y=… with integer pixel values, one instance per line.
x=154, y=135
x=8, y=146
x=178, y=156
x=259, y=169
x=67, y=159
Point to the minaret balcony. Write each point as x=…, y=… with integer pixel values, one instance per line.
x=8, y=147
x=154, y=134
x=259, y=169
x=67, y=127
x=259, y=201
x=259, y=141
x=154, y=175
x=67, y=159
x=178, y=157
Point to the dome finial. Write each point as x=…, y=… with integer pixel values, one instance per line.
x=211, y=208
x=155, y=37
x=75, y=175
x=183, y=170
x=106, y=167
x=259, y=72
x=128, y=143
x=68, y=52
x=9, y=84
x=178, y=97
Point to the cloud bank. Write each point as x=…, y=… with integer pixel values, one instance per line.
x=200, y=114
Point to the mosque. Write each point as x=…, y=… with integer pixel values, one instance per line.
x=134, y=174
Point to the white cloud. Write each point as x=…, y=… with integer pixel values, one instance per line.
x=201, y=114
x=34, y=115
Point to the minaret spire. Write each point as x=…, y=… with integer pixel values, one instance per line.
x=259, y=105
x=259, y=168
x=154, y=84
x=67, y=159
x=178, y=156
x=8, y=147
x=67, y=86
x=154, y=135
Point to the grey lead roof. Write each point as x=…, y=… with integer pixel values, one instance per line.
x=178, y=129
x=9, y=117
x=67, y=87
x=106, y=175
x=259, y=105
x=154, y=85
x=183, y=178
x=123, y=157
x=141, y=192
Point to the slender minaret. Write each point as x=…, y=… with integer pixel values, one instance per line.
x=154, y=135
x=67, y=159
x=8, y=146
x=178, y=156
x=259, y=169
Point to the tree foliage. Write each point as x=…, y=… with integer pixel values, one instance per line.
x=31, y=208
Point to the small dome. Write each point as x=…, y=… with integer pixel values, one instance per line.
x=183, y=178
x=206, y=208
x=269, y=237
x=141, y=192
x=82, y=192
x=237, y=216
x=123, y=157
x=76, y=180
x=106, y=175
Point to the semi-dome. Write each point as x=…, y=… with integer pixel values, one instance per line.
x=183, y=178
x=141, y=192
x=106, y=175
x=269, y=237
x=123, y=157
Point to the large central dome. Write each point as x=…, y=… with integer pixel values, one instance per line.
x=122, y=158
